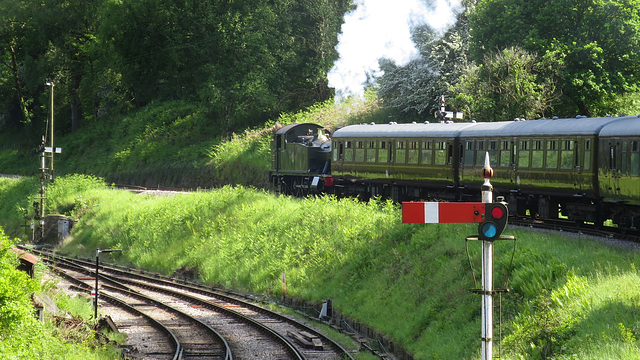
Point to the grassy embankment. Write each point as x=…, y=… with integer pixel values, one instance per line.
x=571, y=299
x=171, y=144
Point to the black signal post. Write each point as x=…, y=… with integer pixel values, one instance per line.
x=96, y=293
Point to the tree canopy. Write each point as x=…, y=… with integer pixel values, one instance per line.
x=597, y=42
x=245, y=61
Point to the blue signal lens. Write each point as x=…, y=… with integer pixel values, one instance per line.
x=489, y=230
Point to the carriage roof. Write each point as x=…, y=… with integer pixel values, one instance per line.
x=544, y=127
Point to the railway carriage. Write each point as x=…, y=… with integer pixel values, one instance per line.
x=399, y=161
x=619, y=171
x=541, y=166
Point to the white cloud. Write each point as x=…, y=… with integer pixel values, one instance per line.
x=382, y=29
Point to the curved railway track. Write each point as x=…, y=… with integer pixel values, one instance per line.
x=203, y=316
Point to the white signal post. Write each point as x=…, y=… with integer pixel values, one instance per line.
x=492, y=218
x=487, y=270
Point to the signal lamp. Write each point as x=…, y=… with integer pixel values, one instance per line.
x=495, y=221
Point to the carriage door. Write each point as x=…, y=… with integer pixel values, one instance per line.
x=614, y=168
x=577, y=166
x=513, y=168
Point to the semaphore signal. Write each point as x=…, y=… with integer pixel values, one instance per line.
x=492, y=220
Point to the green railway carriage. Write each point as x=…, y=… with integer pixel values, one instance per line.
x=397, y=160
x=300, y=161
x=541, y=166
x=619, y=171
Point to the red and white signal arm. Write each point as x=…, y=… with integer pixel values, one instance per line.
x=440, y=212
x=492, y=217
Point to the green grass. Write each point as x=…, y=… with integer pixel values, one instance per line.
x=22, y=336
x=571, y=298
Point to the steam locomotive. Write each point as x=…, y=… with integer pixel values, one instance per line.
x=581, y=169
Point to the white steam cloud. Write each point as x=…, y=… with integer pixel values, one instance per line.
x=379, y=29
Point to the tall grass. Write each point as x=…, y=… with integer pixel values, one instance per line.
x=571, y=298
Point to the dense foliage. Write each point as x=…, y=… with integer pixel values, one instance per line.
x=513, y=58
x=245, y=60
x=596, y=42
x=22, y=336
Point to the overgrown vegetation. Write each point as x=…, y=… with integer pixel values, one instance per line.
x=23, y=337
x=571, y=298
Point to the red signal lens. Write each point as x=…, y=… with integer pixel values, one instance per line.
x=497, y=212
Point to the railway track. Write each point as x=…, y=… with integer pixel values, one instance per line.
x=611, y=235
x=205, y=323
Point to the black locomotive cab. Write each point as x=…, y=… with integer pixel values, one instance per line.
x=300, y=162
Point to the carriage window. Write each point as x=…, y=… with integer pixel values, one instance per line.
x=480, y=150
x=625, y=151
x=468, y=153
x=634, y=169
x=551, y=161
x=493, y=152
x=567, y=155
x=338, y=150
x=426, y=153
x=348, y=151
x=371, y=151
x=401, y=153
x=359, y=151
x=537, y=155
x=587, y=154
x=505, y=154
x=440, y=153
x=383, y=152
x=524, y=154
x=413, y=152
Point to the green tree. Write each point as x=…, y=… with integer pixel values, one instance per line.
x=14, y=29
x=507, y=85
x=597, y=40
